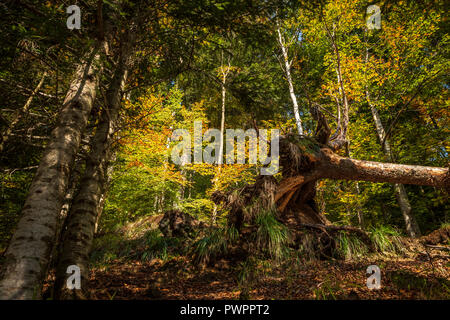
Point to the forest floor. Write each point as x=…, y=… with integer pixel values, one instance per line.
x=176, y=279
x=423, y=273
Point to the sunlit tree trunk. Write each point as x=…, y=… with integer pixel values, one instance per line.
x=359, y=210
x=400, y=192
x=339, y=138
x=296, y=194
x=28, y=254
x=287, y=71
x=224, y=70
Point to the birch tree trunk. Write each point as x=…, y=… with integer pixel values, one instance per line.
x=224, y=71
x=359, y=210
x=412, y=227
x=28, y=254
x=287, y=70
x=80, y=227
x=222, y=123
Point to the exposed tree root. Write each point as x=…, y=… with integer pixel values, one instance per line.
x=304, y=161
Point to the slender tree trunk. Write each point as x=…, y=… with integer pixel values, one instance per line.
x=156, y=203
x=359, y=210
x=162, y=200
x=77, y=239
x=73, y=186
x=28, y=254
x=20, y=113
x=222, y=124
x=339, y=138
x=287, y=70
x=412, y=227
x=224, y=71
x=220, y=158
x=400, y=192
x=101, y=206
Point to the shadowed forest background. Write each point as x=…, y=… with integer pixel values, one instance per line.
x=87, y=178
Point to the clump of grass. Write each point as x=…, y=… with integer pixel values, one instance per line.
x=157, y=246
x=249, y=272
x=214, y=244
x=386, y=239
x=271, y=236
x=349, y=246
x=445, y=225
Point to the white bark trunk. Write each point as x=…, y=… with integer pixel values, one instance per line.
x=28, y=254
x=82, y=219
x=287, y=70
x=411, y=224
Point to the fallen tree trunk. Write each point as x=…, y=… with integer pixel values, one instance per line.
x=304, y=161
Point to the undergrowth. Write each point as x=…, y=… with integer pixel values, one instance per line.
x=214, y=244
x=386, y=239
x=271, y=235
x=151, y=245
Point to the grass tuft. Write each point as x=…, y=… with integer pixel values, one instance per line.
x=350, y=247
x=214, y=244
x=271, y=236
x=386, y=239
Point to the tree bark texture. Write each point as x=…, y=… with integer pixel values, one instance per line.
x=28, y=254
x=80, y=226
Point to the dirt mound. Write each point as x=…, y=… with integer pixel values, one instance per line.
x=439, y=236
